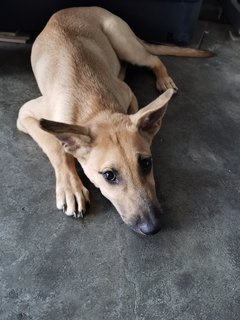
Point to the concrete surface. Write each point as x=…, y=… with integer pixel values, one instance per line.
x=55, y=268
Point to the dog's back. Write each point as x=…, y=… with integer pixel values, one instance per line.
x=75, y=52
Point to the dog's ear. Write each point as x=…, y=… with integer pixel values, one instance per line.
x=148, y=119
x=75, y=139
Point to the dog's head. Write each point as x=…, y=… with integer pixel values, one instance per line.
x=114, y=152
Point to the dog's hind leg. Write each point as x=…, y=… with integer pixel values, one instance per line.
x=71, y=195
x=129, y=48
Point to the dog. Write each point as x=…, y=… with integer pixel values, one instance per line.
x=86, y=111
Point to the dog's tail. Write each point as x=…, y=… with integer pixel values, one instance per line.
x=176, y=51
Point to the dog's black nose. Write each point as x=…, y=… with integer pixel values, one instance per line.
x=150, y=223
x=148, y=228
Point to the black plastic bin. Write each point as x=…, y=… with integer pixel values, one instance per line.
x=159, y=20
x=152, y=20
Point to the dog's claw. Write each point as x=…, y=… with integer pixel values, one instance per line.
x=64, y=208
x=78, y=214
x=75, y=214
x=81, y=214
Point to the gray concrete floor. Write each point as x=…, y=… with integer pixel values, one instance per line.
x=54, y=267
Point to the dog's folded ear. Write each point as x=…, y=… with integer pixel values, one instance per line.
x=148, y=119
x=75, y=139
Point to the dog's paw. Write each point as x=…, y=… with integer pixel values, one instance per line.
x=166, y=83
x=71, y=195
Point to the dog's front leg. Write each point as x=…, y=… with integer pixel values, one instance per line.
x=71, y=195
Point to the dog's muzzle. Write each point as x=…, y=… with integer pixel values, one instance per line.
x=149, y=223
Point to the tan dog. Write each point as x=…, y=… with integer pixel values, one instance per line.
x=76, y=61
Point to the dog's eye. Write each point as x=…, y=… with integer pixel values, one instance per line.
x=146, y=165
x=110, y=176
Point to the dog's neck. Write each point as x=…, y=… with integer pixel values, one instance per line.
x=94, y=109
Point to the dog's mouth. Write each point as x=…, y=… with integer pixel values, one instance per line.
x=136, y=230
